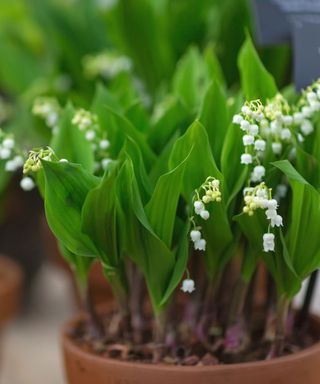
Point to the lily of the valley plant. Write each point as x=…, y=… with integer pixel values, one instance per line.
x=186, y=220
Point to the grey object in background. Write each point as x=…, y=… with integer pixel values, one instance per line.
x=306, y=41
x=271, y=24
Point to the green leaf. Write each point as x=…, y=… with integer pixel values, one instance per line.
x=66, y=188
x=99, y=220
x=190, y=75
x=79, y=264
x=70, y=143
x=167, y=119
x=201, y=163
x=256, y=82
x=214, y=116
x=162, y=207
x=302, y=238
x=140, y=242
x=180, y=264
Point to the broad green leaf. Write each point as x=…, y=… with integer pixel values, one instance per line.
x=79, y=264
x=130, y=148
x=140, y=242
x=70, y=143
x=162, y=207
x=99, y=220
x=278, y=264
x=66, y=188
x=201, y=163
x=214, y=116
x=302, y=238
x=167, y=119
x=189, y=78
x=214, y=66
x=256, y=82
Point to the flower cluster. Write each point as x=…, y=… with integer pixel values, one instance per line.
x=89, y=124
x=260, y=197
x=48, y=109
x=9, y=152
x=207, y=193
x=33, y=165
x=107, y=65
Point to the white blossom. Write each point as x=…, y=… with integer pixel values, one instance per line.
x=105, y=163
x=237, y=119
x=285, y=134
x=246, y=158
x=276, y=221
x=198, y=207
x=298, y=117
x=90, y=135
x=5, y=153
x=200, y=245
x=276, y=148
x=27, y=184
x=195, y=235
x=245, y=125
x=188, y=286
x=248, y=140
x=268, y=242
x=205, y=214
x=8, y=143
x=254, y=129
x=104, y=144
x=260, y=145
x=306, y=127
x=258, y=173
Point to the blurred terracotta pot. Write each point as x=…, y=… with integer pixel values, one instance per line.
x=82, y=367
x=99, y=288
x=10, y=289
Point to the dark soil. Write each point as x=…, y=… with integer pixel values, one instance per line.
x=192, y=353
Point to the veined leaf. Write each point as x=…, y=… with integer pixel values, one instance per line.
x=66, y=188
x=147, y=250
x=99, y=219
x=256, y=82
x=162, y=207
x=302, y=238
x=214, y=116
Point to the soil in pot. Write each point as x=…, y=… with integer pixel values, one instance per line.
x=10, y=289
x=116, y=362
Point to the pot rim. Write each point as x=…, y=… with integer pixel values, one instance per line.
x=69, y=345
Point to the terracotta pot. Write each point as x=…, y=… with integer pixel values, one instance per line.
x=10, y=289
x=85, y=368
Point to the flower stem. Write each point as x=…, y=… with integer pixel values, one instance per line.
x=277, y=346
x=159, y=334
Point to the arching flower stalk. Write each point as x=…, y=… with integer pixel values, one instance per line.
x=260, y=197
x=207, y=193
x=49, y=110
x=89, y=124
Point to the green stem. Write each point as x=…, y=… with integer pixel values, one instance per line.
x=159, y=334
x=281, y=321
x=119, y=285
